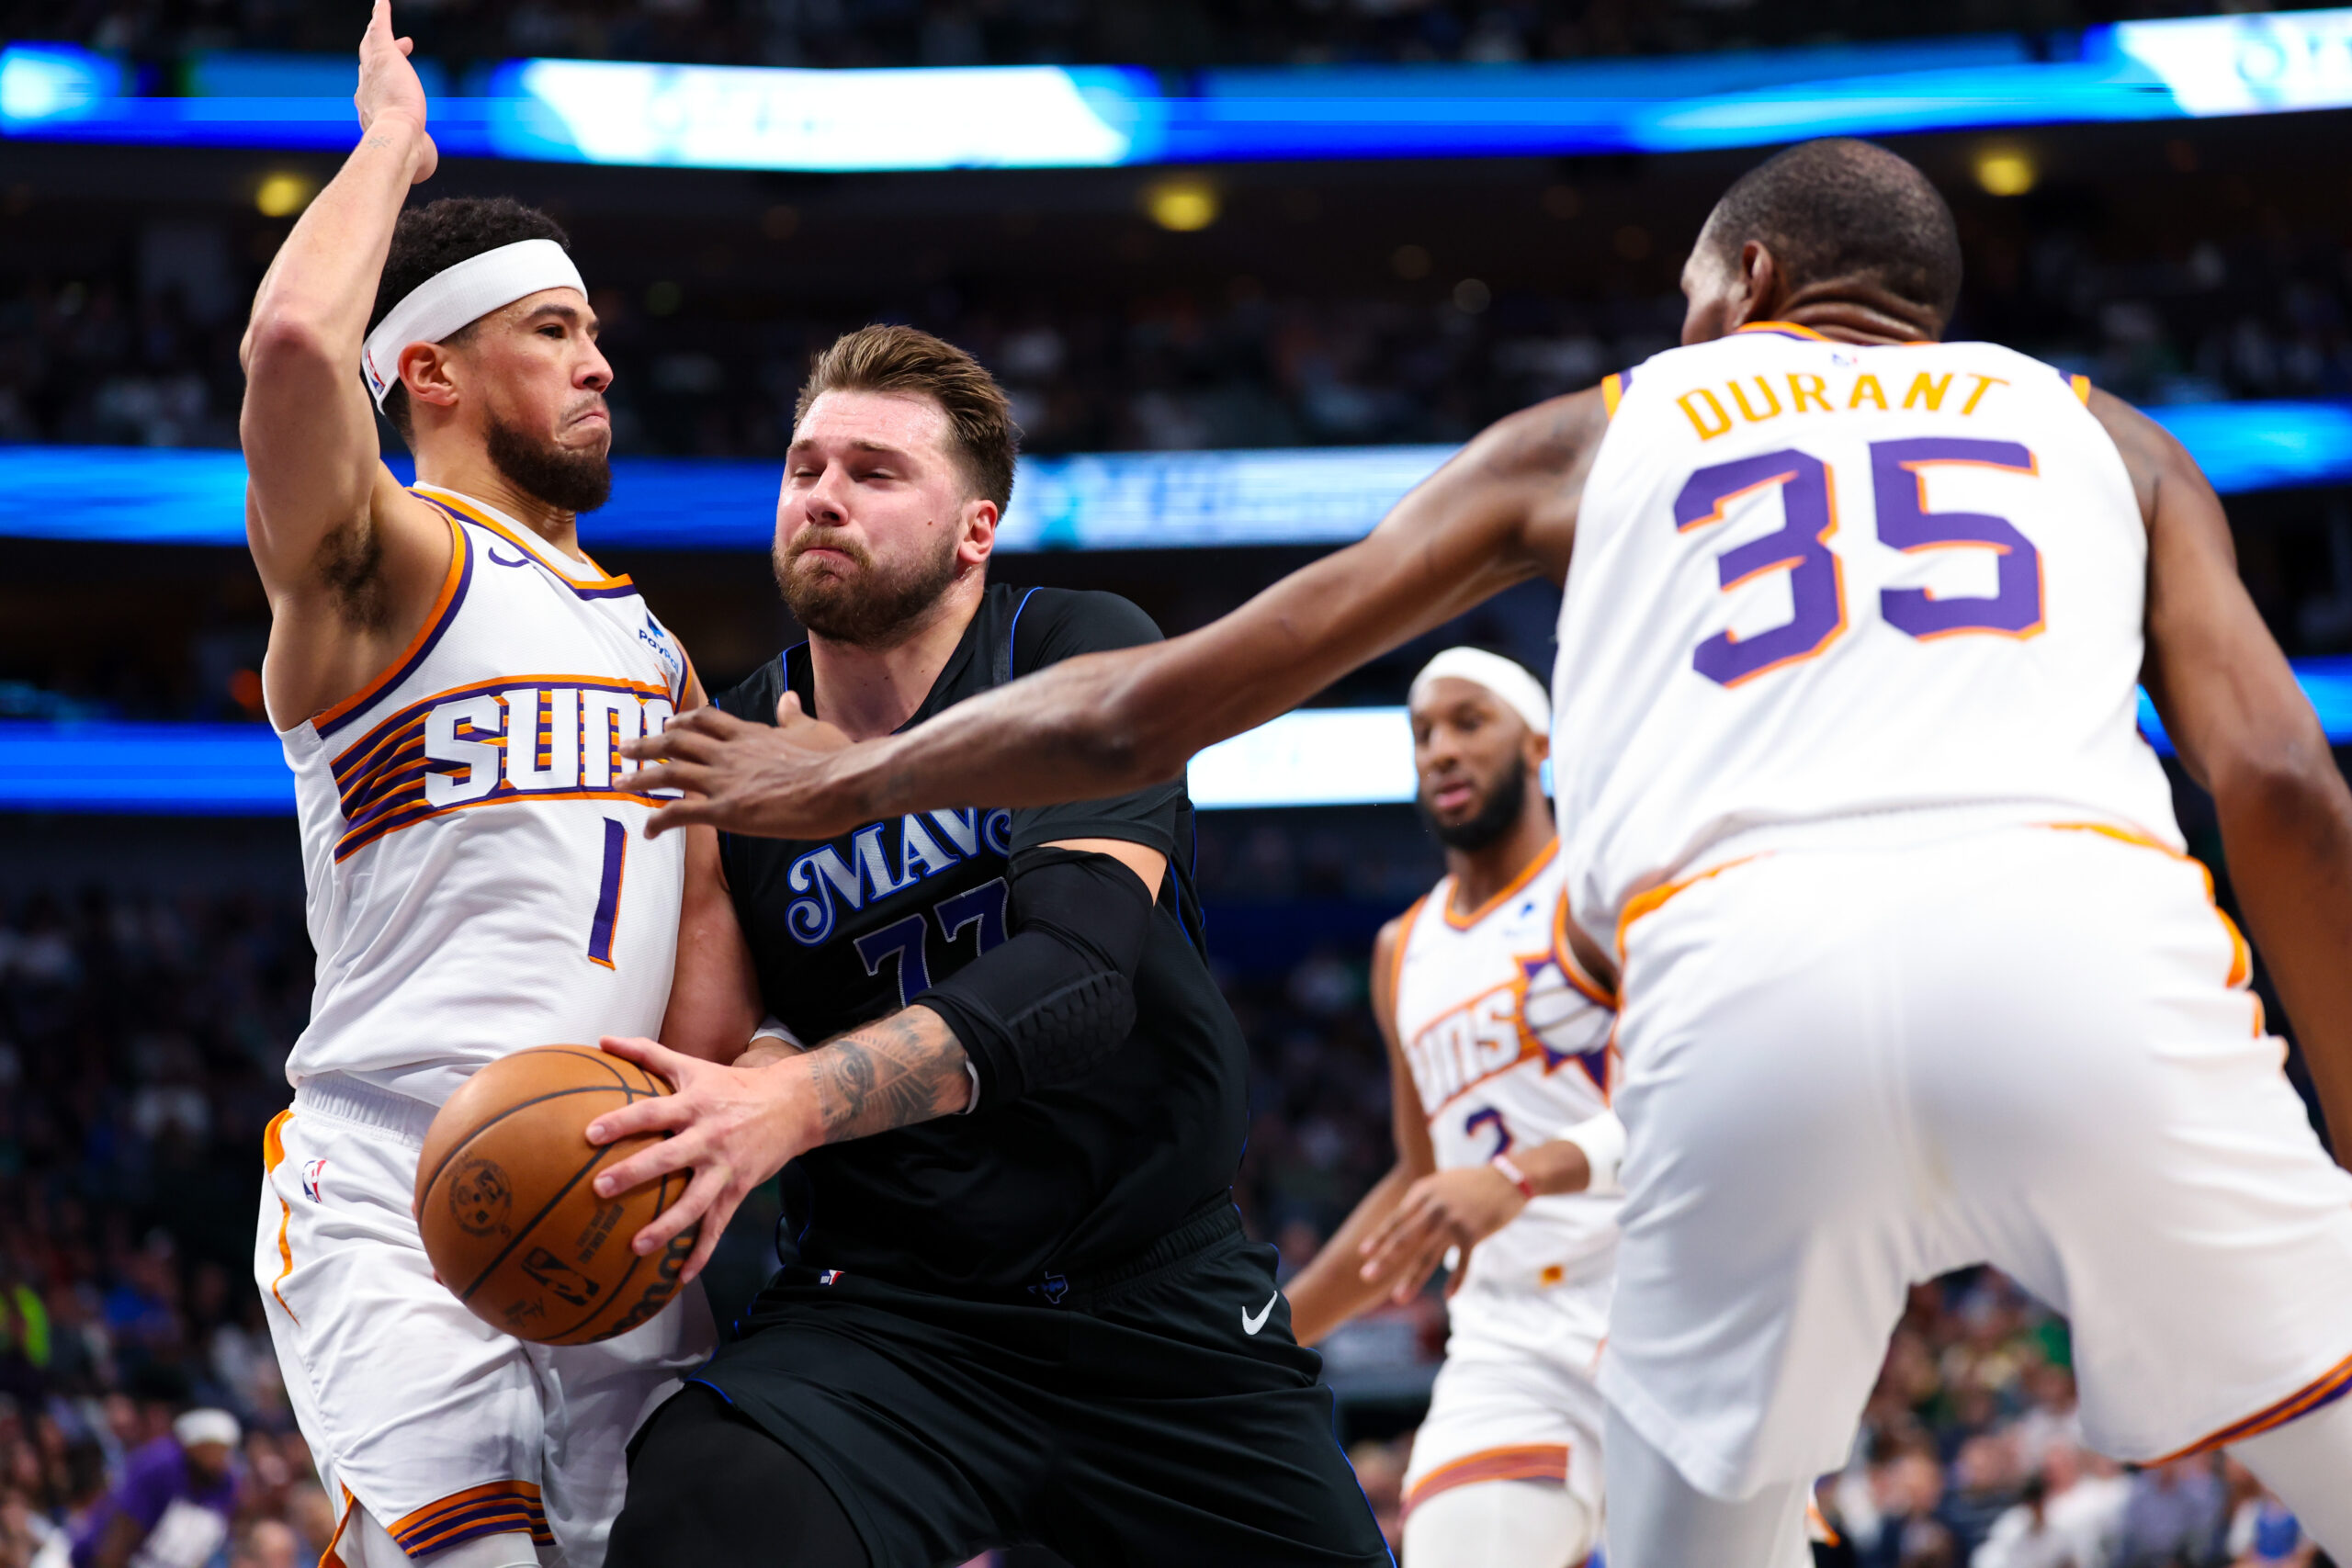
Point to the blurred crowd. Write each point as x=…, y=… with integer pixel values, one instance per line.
x=142, y=1043
x=142, y=1047
x=1012, y=32
x=121, y=354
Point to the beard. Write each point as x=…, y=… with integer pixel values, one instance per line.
x=867, y=607
x=1505, y=801
x=568, y=481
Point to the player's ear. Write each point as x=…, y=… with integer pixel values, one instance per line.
x=1762, y=284
x=977, y=525
x=427, y=373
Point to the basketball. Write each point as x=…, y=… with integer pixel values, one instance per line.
x=510, y=1219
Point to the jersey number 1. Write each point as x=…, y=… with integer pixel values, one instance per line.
x=1816, y=582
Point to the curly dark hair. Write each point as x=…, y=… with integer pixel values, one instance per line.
x=1843, y=209
x=436, y=237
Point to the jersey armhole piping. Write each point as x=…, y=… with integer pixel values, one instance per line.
x=446, y=604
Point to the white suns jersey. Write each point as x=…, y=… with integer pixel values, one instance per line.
x=1508, y=1044
x=1816, y=582
x=476, y=886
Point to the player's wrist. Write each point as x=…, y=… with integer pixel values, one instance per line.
x=1502, y=1165
x=795, y=1105
x=852, y=781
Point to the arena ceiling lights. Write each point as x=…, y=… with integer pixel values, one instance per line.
x=620, y=112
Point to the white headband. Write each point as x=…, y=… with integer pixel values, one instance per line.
x=205, y=1426
x=1520, y=691
x=456, y=297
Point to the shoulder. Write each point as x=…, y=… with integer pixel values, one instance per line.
x=2152, y=455
x=1389, y=944
x=1547, y=440
x=1053, y=624
x=754, y=697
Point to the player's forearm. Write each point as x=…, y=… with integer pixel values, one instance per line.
x=902, y=1069
x=1331, y=1289
x=316, y=297
x=2287, y=828
x=1555, y=1168
x=1107, y=723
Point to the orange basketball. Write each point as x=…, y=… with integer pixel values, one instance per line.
x=510, y=1219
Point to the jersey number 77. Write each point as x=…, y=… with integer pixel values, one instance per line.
x=1816, y=581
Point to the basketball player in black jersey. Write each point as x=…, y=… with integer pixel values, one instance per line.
x=1018, y=1304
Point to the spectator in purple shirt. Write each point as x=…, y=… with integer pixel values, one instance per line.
x=172, y=1508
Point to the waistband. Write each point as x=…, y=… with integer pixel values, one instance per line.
x=340, y=1097
x=1897, y=828
x=1214, y=1222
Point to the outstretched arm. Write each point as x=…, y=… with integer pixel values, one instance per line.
x=1500, y=512
x=351, y=563
x=2246, y=732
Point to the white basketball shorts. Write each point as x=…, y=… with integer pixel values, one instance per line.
x=443, y=1428
x=1515, y=1400
x=1846, y=1069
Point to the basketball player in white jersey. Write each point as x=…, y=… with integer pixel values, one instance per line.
x=1913, y=972
x=1498, y=1056
x=451, y=676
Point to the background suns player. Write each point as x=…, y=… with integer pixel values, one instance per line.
x=1021, y=1305
x=1498, y=1050
x=1913, y=972
x=450, y=676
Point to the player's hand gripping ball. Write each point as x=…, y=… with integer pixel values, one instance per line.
x=511, y=1219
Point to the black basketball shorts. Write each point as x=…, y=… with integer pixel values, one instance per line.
x=1160, y=1414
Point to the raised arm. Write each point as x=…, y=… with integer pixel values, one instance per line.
x=1503, y=511
x=2246, y=732
x=349, y=561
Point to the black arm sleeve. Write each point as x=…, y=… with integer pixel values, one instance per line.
x=1059, y=996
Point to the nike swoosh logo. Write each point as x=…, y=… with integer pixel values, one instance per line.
x=501, y=560
x=1251, y=1324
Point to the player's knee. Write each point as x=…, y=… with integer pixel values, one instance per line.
x=706, y=1485
x=1500, y=1524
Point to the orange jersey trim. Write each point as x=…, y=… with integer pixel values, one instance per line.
x=330, y=1558
x=273, y=1155
x=495, y=1507
x=1655, y=898
x=354, y=843
x=1511, y=890
x=2326, y=1389
x=1613, y=393
x=1527, y=1462
x=1394, y=980
x=536, y=549
x=2240, y=953
x=2082, y=386
x=436, y=621
x=1789, y=327
x=1564, y=956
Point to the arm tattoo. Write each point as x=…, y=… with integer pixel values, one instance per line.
x=902, y=1069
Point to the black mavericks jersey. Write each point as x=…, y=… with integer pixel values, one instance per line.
x=1072, y=1178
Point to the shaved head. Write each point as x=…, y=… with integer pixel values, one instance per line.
x=1841, y=211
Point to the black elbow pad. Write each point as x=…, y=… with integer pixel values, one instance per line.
x=1057, y=997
